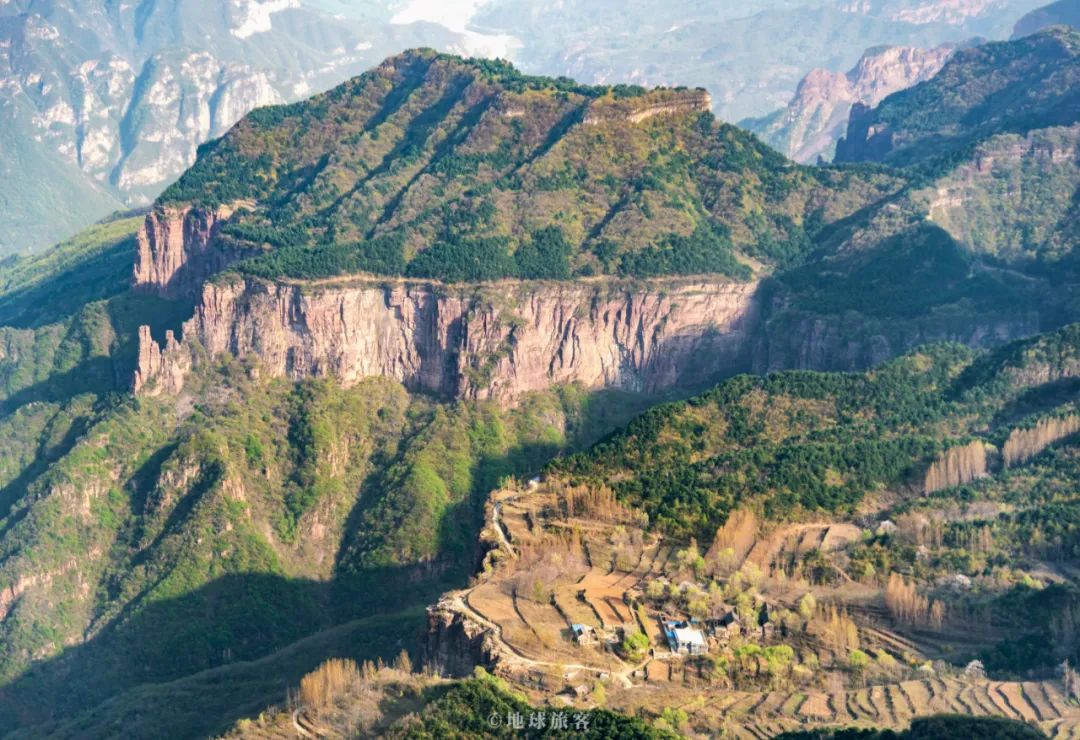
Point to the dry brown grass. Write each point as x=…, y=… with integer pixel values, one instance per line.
x=734, y=540
x=331, y=681
x=816, y=707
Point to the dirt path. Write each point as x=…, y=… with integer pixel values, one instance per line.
x=500, y=528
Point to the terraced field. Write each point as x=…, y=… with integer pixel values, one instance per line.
x=762, y=716
x=781, y=549
x=595, y=595
x=602, y=565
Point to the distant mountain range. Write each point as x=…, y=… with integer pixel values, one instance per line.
x=103, y=104
x=816, y=117
x=738, y=51
x=999, y=88
x=1061, y=13
x=809, y=127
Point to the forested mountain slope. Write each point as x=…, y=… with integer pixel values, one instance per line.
x=801, y=549
x=988, y=218
x=1012, y=87
x=148, y=540
x=798, y=443
x=438, y=167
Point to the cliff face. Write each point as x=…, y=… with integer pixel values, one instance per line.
x=881, y=72
x=500, y=340
x=865, y=140
x=959, y=465
x=476, y=342
x=174, y=252
x=1014, y=86
x=817, y=115
x=455, y=643
x=851, y=341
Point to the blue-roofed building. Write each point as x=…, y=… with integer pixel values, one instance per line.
x=684, y=638
x=583, y=634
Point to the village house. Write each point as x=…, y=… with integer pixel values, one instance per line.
x=724, y=627
x=684, y=639
x=583, y=634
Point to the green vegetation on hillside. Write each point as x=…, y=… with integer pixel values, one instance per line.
x=206, y=703
x=904, y=277
x=438, y=167
x=796, y=442
x=1004, y=87
x=220, y=532
x=184, y=538
x=153, y=545
x=789, y=442
x=467, y=709
x=45, y=288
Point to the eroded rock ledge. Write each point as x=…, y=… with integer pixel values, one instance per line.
x=176, y=249
x=495, y=340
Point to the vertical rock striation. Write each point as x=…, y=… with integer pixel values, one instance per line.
x=167, y=367
x=174, y=252
x=500, y=340
x=477, y=342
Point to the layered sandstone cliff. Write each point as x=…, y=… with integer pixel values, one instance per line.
x=175, y=253
x=817, y=115
x=499, y=340
x=482, y=341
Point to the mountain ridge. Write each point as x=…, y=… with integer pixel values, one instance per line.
x=1063, y=12
x=907, y=127
x=816, y=117
x=428, y=158
x=283, y=237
